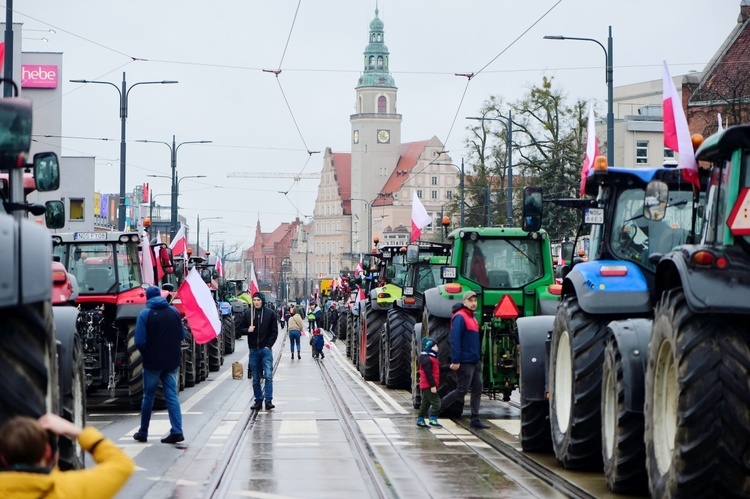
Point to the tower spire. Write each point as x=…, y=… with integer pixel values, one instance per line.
x=376, y=73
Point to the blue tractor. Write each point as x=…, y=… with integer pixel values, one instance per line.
x=602, y=326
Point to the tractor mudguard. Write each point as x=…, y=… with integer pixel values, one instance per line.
x=532, y=336
x=438, y=305
x=35, y=245
x=598, y=294
x=633, y=336
x=706, y=289
x=548, y=307
x=129, y=311
x=65, y=332
x=225, y=308
x=374, y=299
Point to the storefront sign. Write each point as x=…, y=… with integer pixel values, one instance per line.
x=38, y=76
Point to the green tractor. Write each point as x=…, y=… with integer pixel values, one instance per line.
x=510, y=270
x=387, y=270
x=424, y=262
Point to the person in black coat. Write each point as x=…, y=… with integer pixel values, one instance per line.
x=263, y=330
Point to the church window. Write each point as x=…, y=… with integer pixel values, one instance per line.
x=419, y=193
x=379, y=37
x=380, y=62
x=382, y=105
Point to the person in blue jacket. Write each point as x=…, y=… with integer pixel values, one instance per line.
x=318, y=342
x=158, y=335
x=465, y=357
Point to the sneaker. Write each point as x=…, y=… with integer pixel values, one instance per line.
x=258, y=405
x=299, y=356
x=479, y=424
x=269, y=405
x=140, y=437
x=173, y=438
x=434, y=422
x=421, y=423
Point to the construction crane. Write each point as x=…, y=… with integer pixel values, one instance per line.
x=296, y=176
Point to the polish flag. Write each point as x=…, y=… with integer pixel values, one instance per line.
x=419, y=217
x=676, y=131
x=254, y=288
x=361, y=295
x=219, y=267
x=179, y=244
x=147, y=262
x=200, y=308
x=592, y=149
x=359, y=269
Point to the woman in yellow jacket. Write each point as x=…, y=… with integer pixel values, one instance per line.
x=27, y=461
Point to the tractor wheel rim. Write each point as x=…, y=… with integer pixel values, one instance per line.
x=665, y=407
x=610, y=414
x=563, y=382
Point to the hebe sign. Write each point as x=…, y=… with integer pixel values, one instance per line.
x=38, y=76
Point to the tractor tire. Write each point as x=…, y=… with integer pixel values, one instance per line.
x=697, y=405
x=74, y=410
x=237, y=318
x=135, y=369
x=416, y=348
x=382, y=356
x=227, y=333
x=214, y=348
x=27, y=360
x=535, y=429
x=341, y=326
x=623, y=448
x=575, y=377
x=191, y=364
x=202, y=358
x=439, y=329
x=400, y=327
x=373, y=324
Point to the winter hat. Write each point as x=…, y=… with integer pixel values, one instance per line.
x=317, y=331
x=427, y=344
x=152, y=292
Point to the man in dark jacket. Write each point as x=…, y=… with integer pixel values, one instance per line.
x=333, y=320
x=158, y=335
x=465, y=357
x=262, y=333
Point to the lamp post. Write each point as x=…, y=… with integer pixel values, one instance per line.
x=508, y=124
x=609, y=69
x=151, y=211
x=208, y=237
x=174, y=194
x=124, y=92
x=175, y=184
x=198, y=232
x=369, y=217
x=461, y=185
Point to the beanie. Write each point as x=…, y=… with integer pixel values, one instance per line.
x=427, y=344
x=152, y=292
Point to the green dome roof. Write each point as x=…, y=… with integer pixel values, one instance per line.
x=376, y=61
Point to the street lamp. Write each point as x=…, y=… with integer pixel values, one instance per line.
x=175, y=184
x=175, y=193
x=123, y=118
x=608, y=78
x=208, y=237
x=198, y=232
x=151, y=211
x=461, y=184
x=369, y=218
x=508, y=124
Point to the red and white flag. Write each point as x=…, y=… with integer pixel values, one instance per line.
x=254, y=288
x=179, y=244
x=419, y=217
x=147, y=262
x=359, y=269
x=219, y=267
x=200, y=308
x=676, y=131
x=592, y=149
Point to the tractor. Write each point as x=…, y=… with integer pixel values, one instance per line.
x=424, y=262
x=510, y=270
x=232, y=290
x=385, y=281
x=574, y=365
x=40, y=353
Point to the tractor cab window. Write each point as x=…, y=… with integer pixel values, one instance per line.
x=635, y=238
x=503, y=263
x=427, y=277
x=101, y=268
x=128, y=266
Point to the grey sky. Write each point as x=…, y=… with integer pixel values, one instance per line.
x=218, y=49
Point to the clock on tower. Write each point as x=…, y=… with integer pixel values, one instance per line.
x=384, y=136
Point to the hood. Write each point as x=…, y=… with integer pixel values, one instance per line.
x=157, y=302
x=457, y=306
x=22, y=485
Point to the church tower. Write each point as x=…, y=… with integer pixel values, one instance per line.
x=375, y=135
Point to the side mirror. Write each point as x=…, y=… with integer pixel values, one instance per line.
x=166, y=260
x=412, y=253
x=46, y=171
x=655, y=200
x=15, y=132
x=54, y=214
x=532, y=209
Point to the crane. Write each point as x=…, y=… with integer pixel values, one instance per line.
x=296, y=176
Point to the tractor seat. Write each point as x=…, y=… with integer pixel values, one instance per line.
x=498, y=278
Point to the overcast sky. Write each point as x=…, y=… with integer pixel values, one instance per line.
x=217, y=50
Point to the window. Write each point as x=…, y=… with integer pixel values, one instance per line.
x=668, y=153
x=76, y=209
x=434, y=181
x=382, y=105
x=419, y=193
x=371, y=62
x=434, y=195
x=641, y=152
x=380, y=62
x=449, y=194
